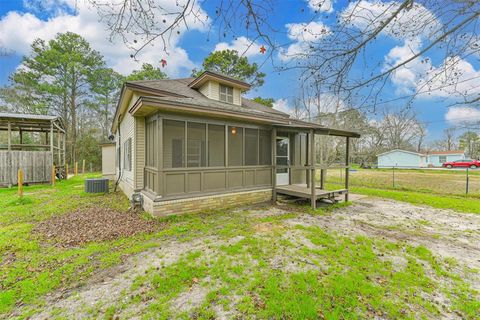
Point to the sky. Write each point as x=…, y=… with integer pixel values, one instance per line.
x=21, y=21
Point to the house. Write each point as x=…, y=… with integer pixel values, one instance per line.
x=437, y=158
x=31, y=142
x=195, y=143
x=409, y=159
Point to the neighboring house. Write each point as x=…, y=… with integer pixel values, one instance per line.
x=196, y=143
x=437, y=158
x=401, y=158
x=409, y=159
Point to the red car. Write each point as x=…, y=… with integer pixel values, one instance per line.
x=464, y=163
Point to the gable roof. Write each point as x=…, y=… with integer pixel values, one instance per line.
x=177, y=96
x=178, y=90
x=210, y=75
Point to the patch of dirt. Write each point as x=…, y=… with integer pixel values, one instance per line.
x=110, y=286
x=190, y=299
x=445, y=232
x=266, y=227
x=94, y=224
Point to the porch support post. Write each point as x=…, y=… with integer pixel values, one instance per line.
x=307, y=157
x=59, y=148
x=322, y=171
x=9, y=155
x=347, y=169
x=312, y=170
x=9, y=136
x=274, y=165
x=51, y=138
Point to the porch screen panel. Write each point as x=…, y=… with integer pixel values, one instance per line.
x=151, y=144
x=216, y=145
x=235, y=146
x=173, y=144
x=196, y=146
x=251, y=147
x=265, y=147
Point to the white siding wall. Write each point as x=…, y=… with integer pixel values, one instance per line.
x=399, y=158
x=214, y=90
x=108, y=161
x=127, y=130
x=139, y=152
x=205, y=89
x=237, y=96
x=211, y=89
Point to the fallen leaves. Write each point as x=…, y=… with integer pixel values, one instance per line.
x=94, y=224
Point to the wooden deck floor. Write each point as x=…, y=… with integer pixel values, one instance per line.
x=302, y=191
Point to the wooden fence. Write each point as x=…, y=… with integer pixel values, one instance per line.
x=36, y=166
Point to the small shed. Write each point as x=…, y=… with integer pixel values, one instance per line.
x=108, y=160
x=34, y=143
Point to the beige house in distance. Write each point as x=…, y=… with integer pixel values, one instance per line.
x=192, y=144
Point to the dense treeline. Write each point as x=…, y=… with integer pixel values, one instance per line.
x=66, y=77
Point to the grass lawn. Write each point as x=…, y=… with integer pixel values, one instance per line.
x=264, y=262
x=445, y=182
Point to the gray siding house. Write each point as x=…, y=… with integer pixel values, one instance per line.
x=185, y=145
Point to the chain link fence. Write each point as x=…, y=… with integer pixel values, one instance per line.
x=435, y=180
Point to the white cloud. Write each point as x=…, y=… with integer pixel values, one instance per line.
x=18, y=30
x=303, y=35
x=321, y=5
x=242, y=45
x=406, y=77
x=282, y=105
x=462, y=115
x=455, y=77
x=410, y=23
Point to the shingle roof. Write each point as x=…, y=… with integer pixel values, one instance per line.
x=10, y=115
x=177, y=92
x=179, y=87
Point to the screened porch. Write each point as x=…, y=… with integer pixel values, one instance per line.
x=190, y=157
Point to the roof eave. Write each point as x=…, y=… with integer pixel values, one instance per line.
x=198, y=81
x=186, y=107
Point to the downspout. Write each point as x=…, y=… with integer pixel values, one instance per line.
x=119, y=157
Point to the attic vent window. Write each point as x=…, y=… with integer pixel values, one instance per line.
x=226, y=93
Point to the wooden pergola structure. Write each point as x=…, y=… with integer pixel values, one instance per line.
x=35, y=158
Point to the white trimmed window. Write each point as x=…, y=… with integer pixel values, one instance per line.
x=226, y=93
x=127, y=154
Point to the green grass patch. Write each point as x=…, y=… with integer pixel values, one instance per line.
x=456, y=203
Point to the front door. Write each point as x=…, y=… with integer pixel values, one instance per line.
x=283, y=159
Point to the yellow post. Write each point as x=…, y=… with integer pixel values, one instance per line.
x=83, y=166
x=53, y=175
x=66, y=170
x=76, y=169
x=20, y=182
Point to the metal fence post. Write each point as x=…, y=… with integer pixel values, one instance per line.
x=393, y=177
x=467, y=182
